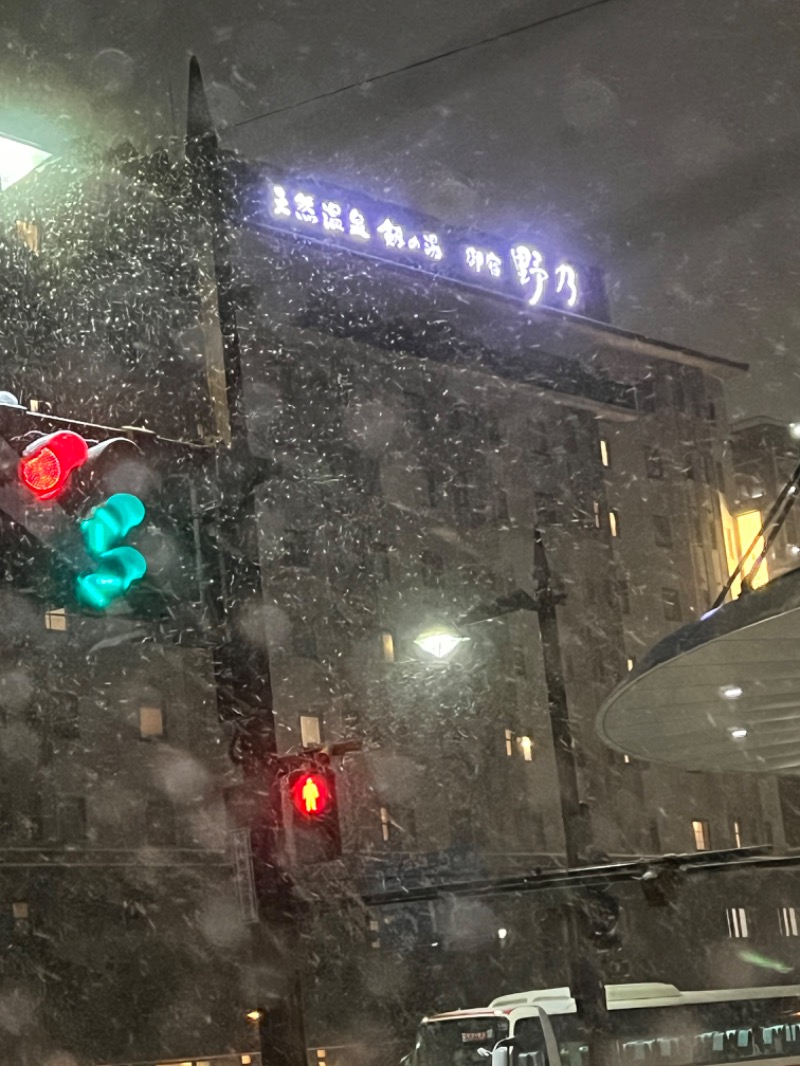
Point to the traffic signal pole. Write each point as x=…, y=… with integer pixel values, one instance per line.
x=242, y=666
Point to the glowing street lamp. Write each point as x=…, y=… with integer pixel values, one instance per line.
x=18, y=158
x=440, y=642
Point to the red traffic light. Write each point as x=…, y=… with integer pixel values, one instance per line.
x=310, y=793
x=46, y=464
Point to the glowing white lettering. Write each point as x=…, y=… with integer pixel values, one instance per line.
x=280, y=201
x=432, y=248
x=358, y=225
x=392, y=234
x=567, y=278
x=479, y=261
x=332, y=216
x=530, y=271
x=414, y=244
x=305, y=209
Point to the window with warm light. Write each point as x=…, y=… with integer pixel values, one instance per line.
x=28, y=234
x=387, y=646
x=702, y=836
x=20, y=911
x=748, y=528
x=737, y=832
x=509, y=734
x=525, y=748
x=151, y=722
x=386, y=823
x=56, y=619
x=604, y=455
x=613, y=523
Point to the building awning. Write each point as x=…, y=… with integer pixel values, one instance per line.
x=721, y=694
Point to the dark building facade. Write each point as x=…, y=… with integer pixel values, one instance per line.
x=412, y=435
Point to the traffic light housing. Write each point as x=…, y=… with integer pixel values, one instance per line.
x=313, y=810
x=47, y=463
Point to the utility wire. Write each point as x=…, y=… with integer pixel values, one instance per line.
x=460, y=49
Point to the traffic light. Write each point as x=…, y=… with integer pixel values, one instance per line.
x=314, y=831
x=46, y=465
x=118, y=565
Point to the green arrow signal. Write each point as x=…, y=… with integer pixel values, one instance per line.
x=118, y=566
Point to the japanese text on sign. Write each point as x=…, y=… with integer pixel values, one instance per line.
x=524, y=269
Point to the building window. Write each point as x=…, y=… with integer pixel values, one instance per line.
x=653, y=463
x=662, y=531
x=671, y=601
x=386, y=824
x=56, y=619
x=309, y=731
x=151, y=722
x=626, y=759
x=701, y=834
x=387, y=646
x=604, y=455
x=630, y=663
x=737, y=833
x=72, y=820
x=432, y=482
x=525, y=748
x=501, y=505
x=596, y=513
x=613, y=523
x=21, y=912
x=737, y=922
x=624, y=594
x=28, y=233
x=297, y=547
x=509, y=742
x=787, y=920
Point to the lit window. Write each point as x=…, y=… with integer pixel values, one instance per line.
x=21, y=912
x=33, y=405
x=525, y=748
x=509, y=742
x=321, y=1053
x=630, y=664
x=749, y=529
x=737, y=832
x=386, y=823
x=604, y=457
x=28, y=233
x=626, y=759
x=387, y=646
x=613, y=523
x=701, y=834
x=309, y=730
x=56, y=619
x=737, y=922
x=246, y=1060
x=787, y=919
x=151, y=722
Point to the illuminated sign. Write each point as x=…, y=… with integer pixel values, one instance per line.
x=526, y=270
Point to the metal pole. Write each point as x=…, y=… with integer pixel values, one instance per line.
x=243, y=680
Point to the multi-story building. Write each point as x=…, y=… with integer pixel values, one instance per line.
x=412, y=435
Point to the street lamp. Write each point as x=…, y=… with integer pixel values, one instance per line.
x=18, y=158
x=440, y=641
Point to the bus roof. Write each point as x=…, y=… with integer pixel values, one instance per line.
x=656, y=994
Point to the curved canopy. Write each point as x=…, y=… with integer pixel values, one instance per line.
x=720, y=694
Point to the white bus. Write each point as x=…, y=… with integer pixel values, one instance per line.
x=642, y=1024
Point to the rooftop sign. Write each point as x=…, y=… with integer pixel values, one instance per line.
x=526, y=270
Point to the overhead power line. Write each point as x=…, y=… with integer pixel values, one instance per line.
x=417, y=64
